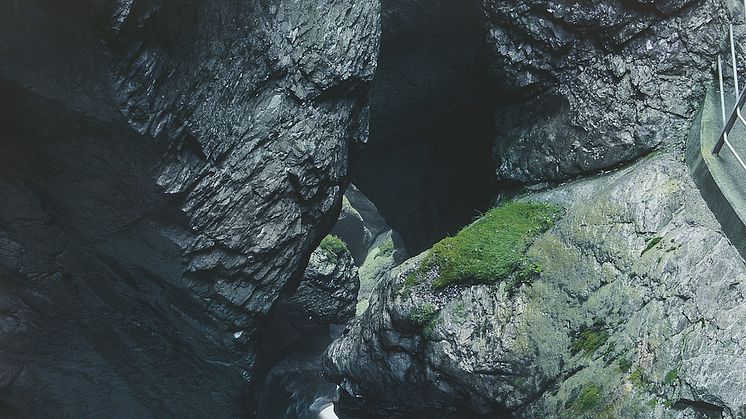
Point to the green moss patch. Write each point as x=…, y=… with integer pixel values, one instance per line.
x=589, y=340
x=638, y=378
x=425, y=316
x=588, y=399
x=386, y=248
x=671, y=376
x=651, y=244
x=624, y=364
x=492, y=248
x=333, y=246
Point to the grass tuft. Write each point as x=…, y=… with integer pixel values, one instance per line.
x=651, y=244
x=638, y=378
x=425, y=316
x=333, y=246
x=491, y=248
x=624, y=364
x=671, y=376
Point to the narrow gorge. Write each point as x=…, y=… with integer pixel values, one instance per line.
x=370, y=209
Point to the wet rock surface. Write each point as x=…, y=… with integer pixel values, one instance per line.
x=167, y=169
x=636, y=312
x=602, y=83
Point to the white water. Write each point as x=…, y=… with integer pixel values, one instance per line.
x=328, y=413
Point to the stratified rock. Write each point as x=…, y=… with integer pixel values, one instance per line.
x=384, y=255
x=166, y=170
x=376, y=248
x=603, y=82
x=638, y=311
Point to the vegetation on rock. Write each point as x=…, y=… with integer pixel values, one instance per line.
x=425, y=316
x=333, y=246
x=638, y=378
x=588, y=398
x=651, y=243
x=491, y=248
x=671, y=376
x=386, y=248
x=589, y=340
x=624, y=364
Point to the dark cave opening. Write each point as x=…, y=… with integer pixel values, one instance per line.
x=428, y=166
x=428, y=162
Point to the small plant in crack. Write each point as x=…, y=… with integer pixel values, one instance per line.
x=425, y=316
x=651, y=244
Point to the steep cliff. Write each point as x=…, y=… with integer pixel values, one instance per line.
x=166, y=170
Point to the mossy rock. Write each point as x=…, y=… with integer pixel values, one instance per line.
x=589, y=398
x=333, y=246
x=492, y=248
x=590, y=339
x=386, y=248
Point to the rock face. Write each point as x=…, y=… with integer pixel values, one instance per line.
x=301, y=327
x=602, y=83
x=427, y=162
x=359, y=223
x=375, y=246
x=638, y=312
x=327, y=293
x=637, y=308
x=167, y=169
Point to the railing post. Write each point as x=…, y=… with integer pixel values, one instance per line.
x=734, y=64
x=723, y=136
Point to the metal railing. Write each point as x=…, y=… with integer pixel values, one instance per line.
x=735, y=114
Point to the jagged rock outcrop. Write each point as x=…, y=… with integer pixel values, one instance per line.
x=359, y=223
x=166, y=170
x=326, y=295
x=301, y=327
x=376, y=248
x=638, y=312
x=385, y=254
x=603, y=82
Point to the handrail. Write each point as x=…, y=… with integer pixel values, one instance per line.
x=735, y=114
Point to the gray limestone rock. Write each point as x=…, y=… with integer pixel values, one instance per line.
x=638, y=312
x=327, y=294
x=167, y=168
x=359, y=224
x=601, y=83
